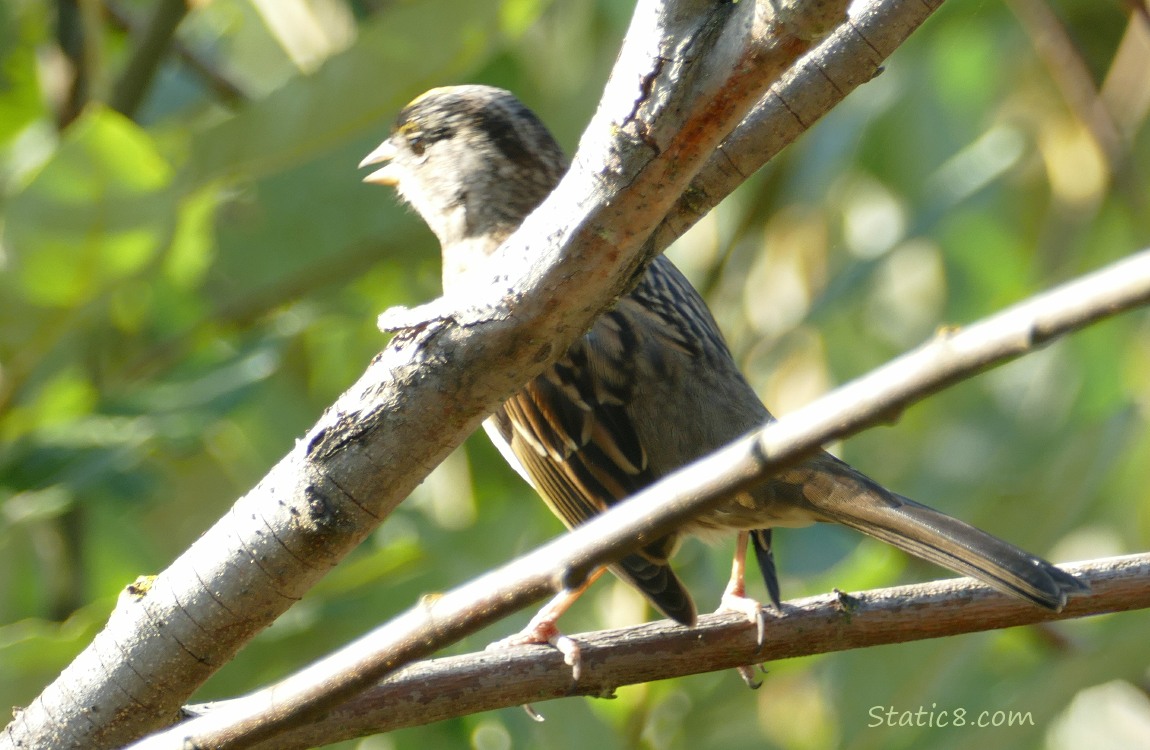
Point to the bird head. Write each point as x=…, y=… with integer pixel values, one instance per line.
x=473, y=161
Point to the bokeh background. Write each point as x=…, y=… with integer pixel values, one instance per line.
x=190, y=272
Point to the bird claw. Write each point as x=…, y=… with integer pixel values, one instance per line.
x=752, y=609
x=546, y=632
x=747, y=672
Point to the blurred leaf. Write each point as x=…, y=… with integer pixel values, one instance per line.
x=354, y=90
x=67, y=397
x=21, y=100
x=95, y=213
x=191, y=253
x=32, y=652
x=35, y=506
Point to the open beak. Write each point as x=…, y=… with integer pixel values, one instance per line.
x=385, y=175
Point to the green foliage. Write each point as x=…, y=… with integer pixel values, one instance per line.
x=183, y=291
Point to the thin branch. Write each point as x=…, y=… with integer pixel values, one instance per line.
x=227, y=90
x=666, y=505
x=73, y=39
x=850, y=57
x=151, y=46
x=1072, y=75
x=455, y=686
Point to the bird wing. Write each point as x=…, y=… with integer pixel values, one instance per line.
x=572, y=437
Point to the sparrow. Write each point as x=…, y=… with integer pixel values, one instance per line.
x=649, y=388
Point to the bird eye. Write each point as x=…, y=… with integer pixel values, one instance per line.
x=416, y=144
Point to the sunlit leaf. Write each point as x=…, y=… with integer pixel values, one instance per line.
x=97, y=211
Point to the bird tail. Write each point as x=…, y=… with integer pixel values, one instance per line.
x=932, y=535
x=761, y=544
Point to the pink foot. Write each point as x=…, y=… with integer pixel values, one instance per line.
x=545, y=631
x=736, y=602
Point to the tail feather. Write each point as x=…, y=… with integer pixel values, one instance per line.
x=954, y=544
x=761, y=543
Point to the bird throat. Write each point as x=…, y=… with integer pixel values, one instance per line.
x=468, y=261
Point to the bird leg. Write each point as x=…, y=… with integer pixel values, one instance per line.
x=542, y=627
x=735, y=599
